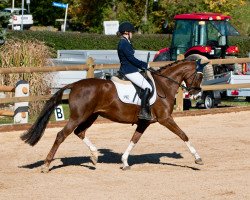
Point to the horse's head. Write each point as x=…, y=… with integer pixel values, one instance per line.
x=193, y=76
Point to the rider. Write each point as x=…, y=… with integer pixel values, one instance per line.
x=130, y=67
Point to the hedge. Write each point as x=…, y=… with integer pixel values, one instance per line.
x=75, y=40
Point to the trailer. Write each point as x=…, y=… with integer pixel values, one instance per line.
x=212, y=98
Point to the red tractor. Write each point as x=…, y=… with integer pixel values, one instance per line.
x=201, y=35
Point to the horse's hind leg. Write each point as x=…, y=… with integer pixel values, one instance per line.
x=61, y=136
x=142, y=125
x=80, y=132
x=172, y=126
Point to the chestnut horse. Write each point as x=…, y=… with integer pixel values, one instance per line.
x=90, y=98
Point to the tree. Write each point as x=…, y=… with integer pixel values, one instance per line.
x=223, y=6
x=44, y=13
x=167, y=9
x=3, y=4
x=148, y=16
x=4, y=19
x=88, y=14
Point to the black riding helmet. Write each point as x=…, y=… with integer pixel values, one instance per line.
x=126, y=27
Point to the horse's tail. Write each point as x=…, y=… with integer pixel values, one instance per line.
x=35, y=132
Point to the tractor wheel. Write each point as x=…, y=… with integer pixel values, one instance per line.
x=208, y=72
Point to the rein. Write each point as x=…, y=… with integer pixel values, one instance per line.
x=174, y=81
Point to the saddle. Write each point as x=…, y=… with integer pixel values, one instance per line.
x=131, y=93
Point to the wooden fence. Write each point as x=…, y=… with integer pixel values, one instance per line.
x=20, y=112
x=90, y=66
x=4, y=88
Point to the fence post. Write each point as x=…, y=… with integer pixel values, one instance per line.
x=21, y=108
x=91, y=65
x=179, y=97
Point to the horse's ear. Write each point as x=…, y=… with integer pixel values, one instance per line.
x=200, y=66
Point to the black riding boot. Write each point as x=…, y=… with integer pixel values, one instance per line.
x=145, y=109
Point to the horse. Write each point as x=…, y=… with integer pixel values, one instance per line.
x=90, y=98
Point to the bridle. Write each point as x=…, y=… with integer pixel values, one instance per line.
x=180, y=85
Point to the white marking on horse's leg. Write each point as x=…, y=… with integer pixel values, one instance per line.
x=89, y=144
x=192, y=150
x=93, y=150
x=126, y=154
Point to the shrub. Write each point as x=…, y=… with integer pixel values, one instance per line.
x=74, y=40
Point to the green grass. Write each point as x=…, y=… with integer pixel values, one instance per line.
x=231, y=102
x=6, y=120
x=240, y=101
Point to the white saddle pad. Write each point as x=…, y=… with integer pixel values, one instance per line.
x=127, y=93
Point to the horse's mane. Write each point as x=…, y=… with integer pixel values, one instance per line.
x=172, y=64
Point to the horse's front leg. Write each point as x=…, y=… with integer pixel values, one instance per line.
x=172, y=126
x=142, y=125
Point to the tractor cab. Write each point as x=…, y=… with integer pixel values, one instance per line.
x=200, y=33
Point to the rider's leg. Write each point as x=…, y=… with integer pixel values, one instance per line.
x=140, y=81
x=145, y=107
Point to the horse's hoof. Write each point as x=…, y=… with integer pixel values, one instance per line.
x=93, y=160
x=124, y=168
x=94, y=157
x=199, y=161
x=44, y=169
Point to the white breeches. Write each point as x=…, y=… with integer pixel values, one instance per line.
x=139, y=80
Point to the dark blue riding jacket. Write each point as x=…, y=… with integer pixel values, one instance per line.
x=129, y=64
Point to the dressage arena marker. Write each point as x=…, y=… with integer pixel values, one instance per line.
x=20, y=112
x=59, y=114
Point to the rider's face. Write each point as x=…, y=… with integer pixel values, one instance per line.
x=130, y=34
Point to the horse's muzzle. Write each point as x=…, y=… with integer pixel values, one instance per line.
x=194, y=90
